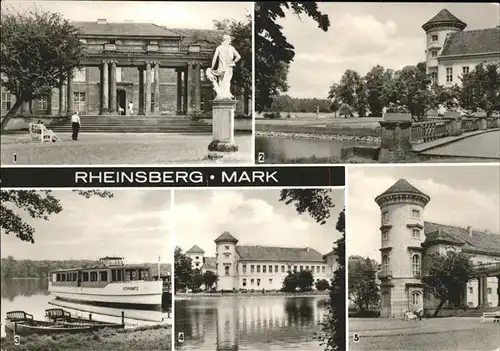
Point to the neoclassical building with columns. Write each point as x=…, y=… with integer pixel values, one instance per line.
x=260, y=267
x=160, y=70
x=407, y=239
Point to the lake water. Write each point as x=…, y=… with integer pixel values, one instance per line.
x=33, y=297
x=279, y=150
x=249, y=323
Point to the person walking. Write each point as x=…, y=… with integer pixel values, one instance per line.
x=75, y=125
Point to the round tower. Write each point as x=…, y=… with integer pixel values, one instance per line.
x=402, y=234
x=196, y=254
x=226, y=261
x=437, y=29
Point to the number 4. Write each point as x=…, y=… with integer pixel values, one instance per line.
x=355, y=337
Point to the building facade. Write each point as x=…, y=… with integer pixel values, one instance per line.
x=160, y=70
x=406, y=240
x=452, y=51
x=260, y=267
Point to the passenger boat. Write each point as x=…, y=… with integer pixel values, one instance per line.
x=22, y=323
x=111, y=286
x=62, y=317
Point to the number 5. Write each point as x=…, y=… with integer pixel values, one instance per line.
x=356, y=337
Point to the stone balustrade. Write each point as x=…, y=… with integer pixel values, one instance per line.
x=183, y=50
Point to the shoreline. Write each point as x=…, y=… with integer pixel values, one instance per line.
x=158, y=337
x=190, y=296
x=320, y=136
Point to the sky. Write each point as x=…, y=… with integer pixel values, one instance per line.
x=133, y=224
x=460, y=195
x=363, y=35
x=254, y=217
x=177, y=14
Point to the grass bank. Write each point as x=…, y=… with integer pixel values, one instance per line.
x=149, y=338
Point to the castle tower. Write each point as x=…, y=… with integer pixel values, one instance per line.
x=402, y=233
x=196, y=255
x=437, y=29
x=227, y=261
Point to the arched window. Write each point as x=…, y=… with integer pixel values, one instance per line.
x=415, y=265
x=226, y=269
x=415, y=298
x=385, y=263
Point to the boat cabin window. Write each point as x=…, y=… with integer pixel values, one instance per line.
x=93, y=276
x=116, y=275
x=103, y=276
x=85, y=276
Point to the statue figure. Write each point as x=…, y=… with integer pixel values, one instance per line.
x=225, y=57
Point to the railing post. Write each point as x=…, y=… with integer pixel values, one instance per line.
x=482, y=123
x=395, y=140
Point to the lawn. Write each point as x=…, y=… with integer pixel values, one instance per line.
x=429, y=334
x=116, y=149
x=145, y=338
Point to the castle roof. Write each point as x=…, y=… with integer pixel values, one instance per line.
x=134, y=29
x=481, y=41
x=226, y=237
x=478, y=242
x=279, y=254
x=445, y=18
x=195, y=249
x=402, y=187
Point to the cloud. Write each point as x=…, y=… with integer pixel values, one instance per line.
x=464, y=206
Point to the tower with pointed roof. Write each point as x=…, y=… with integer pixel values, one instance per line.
x=196, y=254
x=226, y=261
x=401, y=234
x=437, y=30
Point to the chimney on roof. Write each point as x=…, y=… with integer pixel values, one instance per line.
x=102, y=21
x=469, y=230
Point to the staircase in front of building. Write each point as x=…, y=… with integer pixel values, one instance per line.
x=135, y=124
x=477, y=312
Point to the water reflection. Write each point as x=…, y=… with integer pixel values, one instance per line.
x=280, y=150
x=234, y=323
x=11, y=288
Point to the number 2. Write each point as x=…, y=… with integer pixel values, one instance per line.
x=261, y=157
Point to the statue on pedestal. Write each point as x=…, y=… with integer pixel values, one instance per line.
x=225, y=57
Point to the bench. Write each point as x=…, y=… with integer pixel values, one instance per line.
x=18, y=316
x=491, y=317
x=39, y=132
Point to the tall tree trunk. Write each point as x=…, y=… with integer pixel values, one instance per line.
x=441, y=303
x=11, y=114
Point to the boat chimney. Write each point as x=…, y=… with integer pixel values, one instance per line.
x=469, y=230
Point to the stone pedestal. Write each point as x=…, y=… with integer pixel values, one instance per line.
x=396, y=140
x=482, y=123
x=455, y=126
x=497, y=125
x=222, y=128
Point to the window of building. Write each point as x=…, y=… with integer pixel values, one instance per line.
x=283, y=269
x=202, y=103
x=79, y=101
x=227, y=248
x=270, y=268
x=258, y=268
x=252, y=281
x=415, y=213
x=270, y=281
x=41, y=104
x=85, y=276
x=197, y=264
x=226, y=270
x=385, y=263
x=449, y=74
x=119, y=74
x=434, y=53
x=197, y=257
x=295, y=268
x=415, y=233
x=415, y=265
x=79, y=75
x=93, y=276
x=415, y=298
x=258, y=282
x=307, y=268
x=465, y=69
x=323, y=269
x=434, y=76
x=5, y=98
x=471, y=290
x=434, y=37
x=385, y=235
x=264, y=267
x=63, y=277
x=489, y=291
x=75, y=276
x=385, y=216
x=103, y=276
x=244, y=282
x=301, y=268
x=244, y=268
x=318, y=269
x=251, y=268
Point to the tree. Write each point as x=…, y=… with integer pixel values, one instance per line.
x=183, y=271
x=273, y=53
x=481, y=89
x=318, y=203
x=290, y=282
x=345, y=110
x=209, y=279
x=378, y=89
x=241, y=33
x=305, y=280
x=322, y=285
x=196, y=280
x=39, y=51
x=38, y=204
x=363, y=289
x=446, y=276
x=352, y=91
